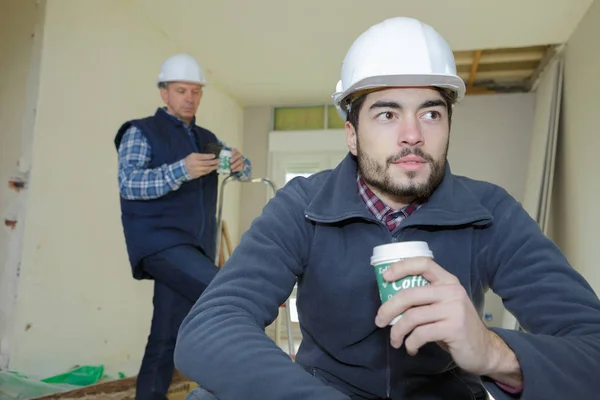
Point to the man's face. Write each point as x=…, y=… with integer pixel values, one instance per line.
x=182, y=99
x=402, y=142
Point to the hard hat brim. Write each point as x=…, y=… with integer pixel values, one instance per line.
x=452, y=82
x=201, y=83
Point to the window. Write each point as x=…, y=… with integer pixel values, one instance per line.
x=334, y=120
x=299, y=118
x=307, y=118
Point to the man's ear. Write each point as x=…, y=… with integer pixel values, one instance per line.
x=351, y=138
x=164, y=94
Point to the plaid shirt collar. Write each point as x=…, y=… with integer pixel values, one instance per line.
x=176, y=119
x=384, y=213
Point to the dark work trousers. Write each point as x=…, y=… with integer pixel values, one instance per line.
x=180, y=276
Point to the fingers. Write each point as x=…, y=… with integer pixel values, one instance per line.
x=415, y=317
x=203, y=156
x=422, y=335
x=203, y=163
x=237, y=165
x=199, y=164
x=406, y=299
x=204, y=160
x=235, y=155
x=423, y=266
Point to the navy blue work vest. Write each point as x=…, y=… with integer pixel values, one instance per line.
x=183, y=216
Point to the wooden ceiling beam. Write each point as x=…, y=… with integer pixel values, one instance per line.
x=515, y=67
x=500, y=75
x=475, y=92
x=466, y=58
x=473, y=72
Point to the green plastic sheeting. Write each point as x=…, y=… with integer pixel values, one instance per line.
x=82, y=376
x=15, y=386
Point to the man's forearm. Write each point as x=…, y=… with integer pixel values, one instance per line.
x=148, y=184
x=504, y=365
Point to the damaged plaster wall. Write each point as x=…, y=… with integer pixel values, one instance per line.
x=100, y=60
x=21, y=25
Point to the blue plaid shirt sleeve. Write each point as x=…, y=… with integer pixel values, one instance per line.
x=246, y=173
x=136, y=180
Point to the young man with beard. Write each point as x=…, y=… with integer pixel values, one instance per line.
x=397, y=90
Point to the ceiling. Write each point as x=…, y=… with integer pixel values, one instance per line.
x=276, y=52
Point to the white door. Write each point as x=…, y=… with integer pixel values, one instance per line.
x=287, y=165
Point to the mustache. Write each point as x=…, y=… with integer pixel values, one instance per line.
x=410, y=151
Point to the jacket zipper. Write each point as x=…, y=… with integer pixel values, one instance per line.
x=395, y=238
x=388, y=352
x=388, y=388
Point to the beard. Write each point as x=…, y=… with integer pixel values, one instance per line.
x=378, y=176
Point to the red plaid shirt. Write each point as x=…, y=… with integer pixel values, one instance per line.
x=384, y=213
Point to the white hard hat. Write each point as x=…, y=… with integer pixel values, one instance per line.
x=181, y=68
x=397, y=52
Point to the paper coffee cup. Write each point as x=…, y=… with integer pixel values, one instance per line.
x=386, y=255
x=224, y=161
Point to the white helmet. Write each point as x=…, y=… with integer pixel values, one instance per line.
x=397, y=52
x=181, y=68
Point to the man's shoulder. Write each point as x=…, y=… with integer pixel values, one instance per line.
x=137, y=123
x=489, y=194
x=136, y=127
x=308, y=186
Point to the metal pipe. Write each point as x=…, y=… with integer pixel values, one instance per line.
x=220, y=206
x=290, y=332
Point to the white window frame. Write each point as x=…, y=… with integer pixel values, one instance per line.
x=304, y=151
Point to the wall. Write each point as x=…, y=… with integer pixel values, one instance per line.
x=257, y=124
x=490, y=140
x=20, y=42
x=17, y=24
x=575, y=211
x=80, y=304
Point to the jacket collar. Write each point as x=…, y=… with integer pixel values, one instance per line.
x=162, y=111
x=451, y=204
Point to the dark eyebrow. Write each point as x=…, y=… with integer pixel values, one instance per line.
x=433, y=103
x=395, y=105
x=385, y=104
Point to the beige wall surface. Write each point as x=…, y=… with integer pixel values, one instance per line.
x=490, y=140
x=575, y=212
x=20, y=23
x=78, y=302
x=257, y=124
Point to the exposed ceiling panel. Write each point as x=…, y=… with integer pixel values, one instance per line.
x=272, y=52
x=502, y=70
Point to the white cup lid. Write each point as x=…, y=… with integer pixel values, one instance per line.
x=398, y=250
